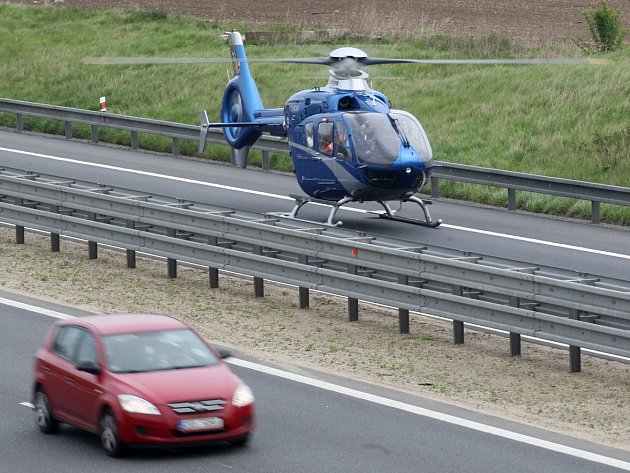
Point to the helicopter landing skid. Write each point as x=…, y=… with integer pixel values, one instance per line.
x=390, y=214
x=301, y=200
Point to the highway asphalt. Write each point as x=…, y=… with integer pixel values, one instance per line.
x=307, y=422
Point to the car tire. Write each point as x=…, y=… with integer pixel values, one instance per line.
x=108, y=431
x=43, y=415
x=239, y=441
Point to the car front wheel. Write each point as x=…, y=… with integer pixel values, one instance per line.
x=43, y=415
x=109, y=435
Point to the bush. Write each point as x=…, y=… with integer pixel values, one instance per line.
x=605, y=28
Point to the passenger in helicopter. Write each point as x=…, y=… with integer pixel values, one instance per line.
x=329, y=148
x=369, y=141
x=342, y=143
x=325, y=137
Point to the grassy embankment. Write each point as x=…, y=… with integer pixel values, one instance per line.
x=565, y=121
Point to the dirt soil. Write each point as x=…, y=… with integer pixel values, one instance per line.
x=529, y=22
x=535, y=388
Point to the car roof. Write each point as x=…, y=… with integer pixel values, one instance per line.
x=110, y=324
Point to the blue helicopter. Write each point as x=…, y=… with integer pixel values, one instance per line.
x=346, y=143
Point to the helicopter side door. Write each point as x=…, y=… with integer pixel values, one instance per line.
x=342, y=151
x=312, y=158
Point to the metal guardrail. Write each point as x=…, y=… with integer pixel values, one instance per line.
x=135, y=125
x=512, y=181
x=583, y=311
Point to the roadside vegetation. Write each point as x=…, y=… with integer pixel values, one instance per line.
x=565, y=121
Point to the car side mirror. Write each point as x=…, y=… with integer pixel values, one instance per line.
x=224, y=353
x=89, y=366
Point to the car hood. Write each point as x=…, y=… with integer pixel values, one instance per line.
x=190, y=384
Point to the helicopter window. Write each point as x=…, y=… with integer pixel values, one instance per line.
x=308, y=128
x=325, y=137
x=375, y=139
x=341, y=141
x=414, y=132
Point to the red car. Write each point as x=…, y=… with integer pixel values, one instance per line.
x=139, y=380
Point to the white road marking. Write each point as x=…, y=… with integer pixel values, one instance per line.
x=32, y=308
x=30, y=405
x=284, y=197
x=469, y=424
x=383, y=401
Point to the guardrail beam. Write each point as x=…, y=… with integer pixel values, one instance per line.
x=546, y=303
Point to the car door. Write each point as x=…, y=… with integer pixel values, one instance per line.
x=85, y=390
x=60, y=370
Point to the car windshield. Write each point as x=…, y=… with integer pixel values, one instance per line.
x=156, y=350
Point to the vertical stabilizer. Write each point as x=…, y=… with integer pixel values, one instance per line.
x=241, y=97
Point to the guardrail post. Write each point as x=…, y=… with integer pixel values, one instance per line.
x=575, y=355
x=176, y=146
x=171, y=263
x=435, y=187
x=458, y=325
x=213, y=273
x=19, y=229
x=596, y=216
x=134, y=140
x=403, y=314
x=94, y=133
x=19, y=234
x=92, y=245
x=515, y=338
x=19, y=122
x=131, y=259
x=259, y=289
x=131, y=254
x=304, y=292
x=55, y=245
x=68, y=130
x=353, y=303
x=265, y=161
x=511, y=199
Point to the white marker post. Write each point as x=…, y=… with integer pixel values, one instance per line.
x=103, y=106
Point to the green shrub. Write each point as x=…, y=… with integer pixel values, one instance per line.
x=605, y=28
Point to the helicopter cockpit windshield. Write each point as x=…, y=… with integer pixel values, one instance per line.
x=375, y=139
x=413, y=131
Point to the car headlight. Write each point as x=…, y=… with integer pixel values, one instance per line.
x=243, y=396
x=137, y=405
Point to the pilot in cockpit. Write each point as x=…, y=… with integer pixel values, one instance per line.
x=369, y=140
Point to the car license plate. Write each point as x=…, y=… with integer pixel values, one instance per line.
x=205, y=423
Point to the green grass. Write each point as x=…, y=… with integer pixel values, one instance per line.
x=565, y=121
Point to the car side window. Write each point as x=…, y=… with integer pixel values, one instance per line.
x=66, y=342
x=87, y=350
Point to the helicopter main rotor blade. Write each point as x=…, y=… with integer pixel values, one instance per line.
x=154, y=60
x=340, y=62
x=370, y=61
x=558, y=61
